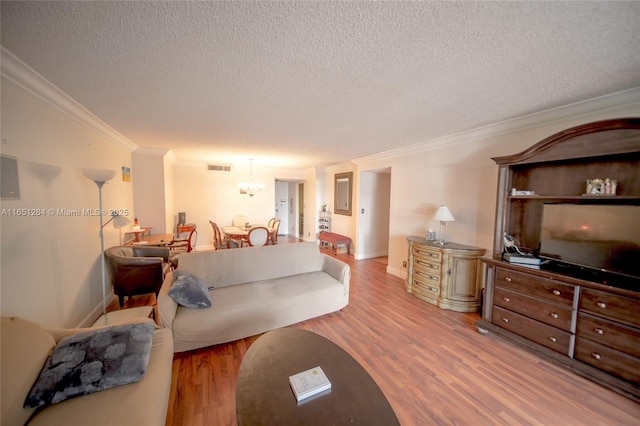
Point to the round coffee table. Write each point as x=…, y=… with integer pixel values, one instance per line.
x=264, y=396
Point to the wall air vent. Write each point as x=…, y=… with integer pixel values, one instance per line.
x=216, y=168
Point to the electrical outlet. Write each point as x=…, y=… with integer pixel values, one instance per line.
x=404, y=263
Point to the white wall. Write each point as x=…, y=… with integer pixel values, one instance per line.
x=148, y=177
x=50, y=270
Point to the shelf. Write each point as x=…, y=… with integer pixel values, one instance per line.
x=574, y=197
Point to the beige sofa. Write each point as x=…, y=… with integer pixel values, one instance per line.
x=25, y=348
x=257, y=289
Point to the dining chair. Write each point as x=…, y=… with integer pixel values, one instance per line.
x=239, y=220
x=180, y=244
x=219, y=242
x=273, y=234
x=271, y=222
x=258, y=236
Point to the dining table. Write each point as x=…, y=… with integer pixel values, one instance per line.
x=239, y=233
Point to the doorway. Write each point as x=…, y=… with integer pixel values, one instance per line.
x=300, y=210
x=281, y=203
x=374, y=210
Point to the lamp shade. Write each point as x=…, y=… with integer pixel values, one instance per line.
x=99, y=175
x=444, y=215
x=120, y=221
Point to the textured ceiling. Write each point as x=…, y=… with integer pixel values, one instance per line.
x=297, y=84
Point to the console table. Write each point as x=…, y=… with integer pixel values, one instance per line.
x=448, y=276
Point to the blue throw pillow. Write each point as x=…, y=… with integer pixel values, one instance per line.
x=92, y=361
x=189, y=291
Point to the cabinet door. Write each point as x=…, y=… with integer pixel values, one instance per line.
x=462, y=274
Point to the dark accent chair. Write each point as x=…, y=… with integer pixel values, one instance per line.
x=137, y=270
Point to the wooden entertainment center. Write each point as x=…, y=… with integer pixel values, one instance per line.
x=586, y=321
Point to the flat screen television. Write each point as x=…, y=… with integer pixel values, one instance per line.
x=605, y=238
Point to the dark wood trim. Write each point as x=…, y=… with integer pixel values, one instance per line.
x=622, y=137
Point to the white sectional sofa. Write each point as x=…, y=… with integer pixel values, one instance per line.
x=257, y=289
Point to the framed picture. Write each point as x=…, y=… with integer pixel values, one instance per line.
x=126, y=174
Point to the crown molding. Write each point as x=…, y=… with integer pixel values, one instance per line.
x=601, y=104
x=22, y=75
x=348, y=165
x=149, y=150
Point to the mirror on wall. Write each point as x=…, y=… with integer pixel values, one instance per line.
x=342, y=190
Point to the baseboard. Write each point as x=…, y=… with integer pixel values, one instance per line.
x=360, y=256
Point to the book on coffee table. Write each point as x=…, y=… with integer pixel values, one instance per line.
x=309, y=383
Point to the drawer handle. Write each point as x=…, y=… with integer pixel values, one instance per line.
x=507, y=279
x=598, y=331
x=428, y=265
x=506, y=299
x=431, y=277
x=556, y=292
x=505, y=319
x=553, y=339
x=596, y=355
x=601, y=305
x=554, y=315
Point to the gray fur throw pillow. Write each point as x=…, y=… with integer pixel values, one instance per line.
x=189, y=291
x=92, y=361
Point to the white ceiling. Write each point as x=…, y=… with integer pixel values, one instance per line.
x=298, y=84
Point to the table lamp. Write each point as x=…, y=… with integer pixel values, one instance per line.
x=443, y=215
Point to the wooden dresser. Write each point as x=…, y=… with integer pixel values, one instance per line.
x=447, y=276
x=539, y=308
x=583, y=319
x=608, y=333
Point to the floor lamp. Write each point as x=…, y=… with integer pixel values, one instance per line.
x=100, y=177
x=443, y=215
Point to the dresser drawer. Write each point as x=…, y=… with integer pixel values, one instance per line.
x=424, y=291
x=426, y=276
x=428, y=266
x=555, y=291
x=556, y=315
x=426, y=253
x=610, y=360
x=613, y=306
x=609, y=333
x=543, y=334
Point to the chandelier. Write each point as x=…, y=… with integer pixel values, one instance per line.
x=250, y=187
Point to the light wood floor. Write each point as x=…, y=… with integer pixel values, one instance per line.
x=431, y=364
